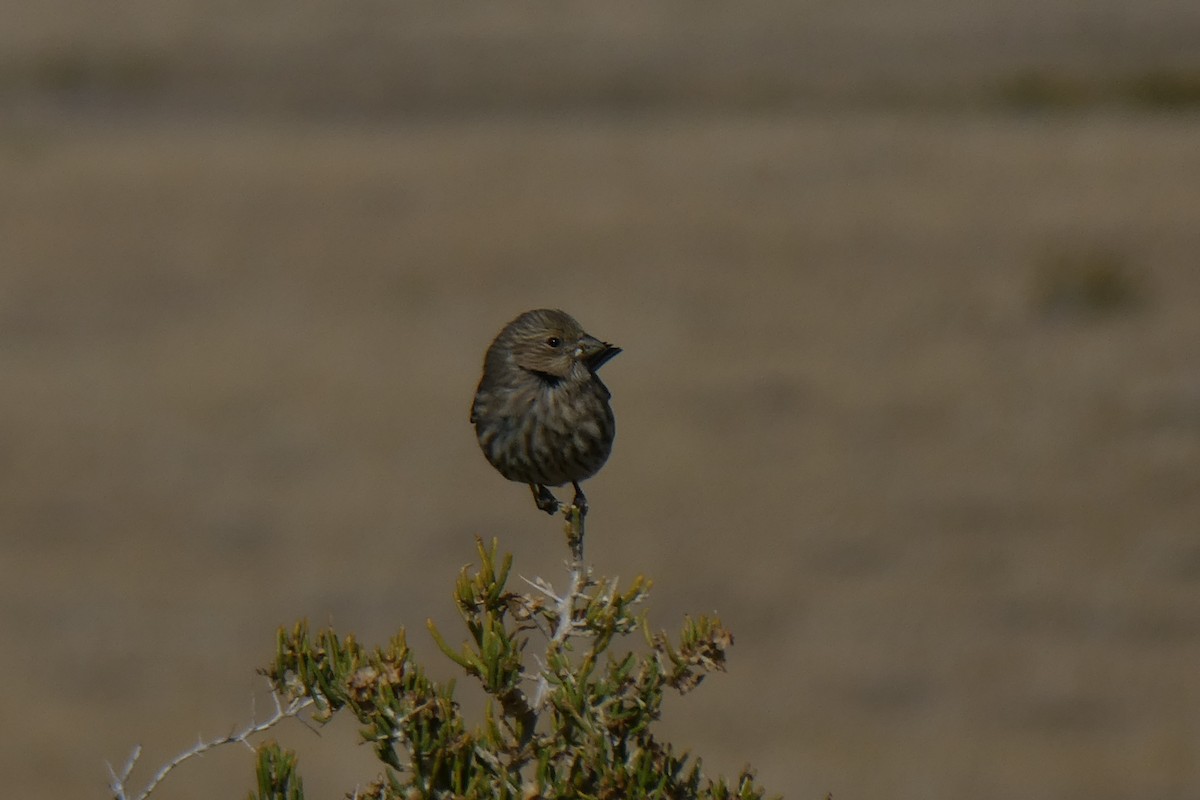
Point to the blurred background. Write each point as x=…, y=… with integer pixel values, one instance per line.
x=910, y=393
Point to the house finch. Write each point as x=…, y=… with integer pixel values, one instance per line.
x=540, y=413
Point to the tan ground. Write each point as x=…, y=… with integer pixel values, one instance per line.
x=250, y=259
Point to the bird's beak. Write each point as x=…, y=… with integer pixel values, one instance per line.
x=595, y=353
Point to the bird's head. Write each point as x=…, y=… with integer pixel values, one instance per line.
x=552, y=344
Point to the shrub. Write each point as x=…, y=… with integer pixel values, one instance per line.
x=575, y=722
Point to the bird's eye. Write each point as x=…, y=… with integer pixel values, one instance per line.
x=554, y=341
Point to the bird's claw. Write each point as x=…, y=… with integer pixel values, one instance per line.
x=547, y=502
x=580, y=501
x=544, y=499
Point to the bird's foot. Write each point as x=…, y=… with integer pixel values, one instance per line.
x=580, y=501
x=544, y=499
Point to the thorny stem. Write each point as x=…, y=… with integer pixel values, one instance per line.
x=574, y=529
x=566, y=601
x=282, y=712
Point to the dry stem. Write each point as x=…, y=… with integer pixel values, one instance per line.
x=282, y=712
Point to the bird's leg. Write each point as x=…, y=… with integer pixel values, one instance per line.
x=580, y=501
x=544, y=499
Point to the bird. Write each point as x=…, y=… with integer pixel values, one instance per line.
x=541, y=414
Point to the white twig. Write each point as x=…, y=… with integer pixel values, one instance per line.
x=565, y=624
x=543, y=587
x=117, y=782
x=282, y=712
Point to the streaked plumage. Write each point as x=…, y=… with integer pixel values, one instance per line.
x=540, y=413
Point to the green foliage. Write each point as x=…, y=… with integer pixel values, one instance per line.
x=277, y=778
x=584, y=731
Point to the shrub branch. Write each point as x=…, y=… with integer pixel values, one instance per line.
x=586, y=733
x=283, y=710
